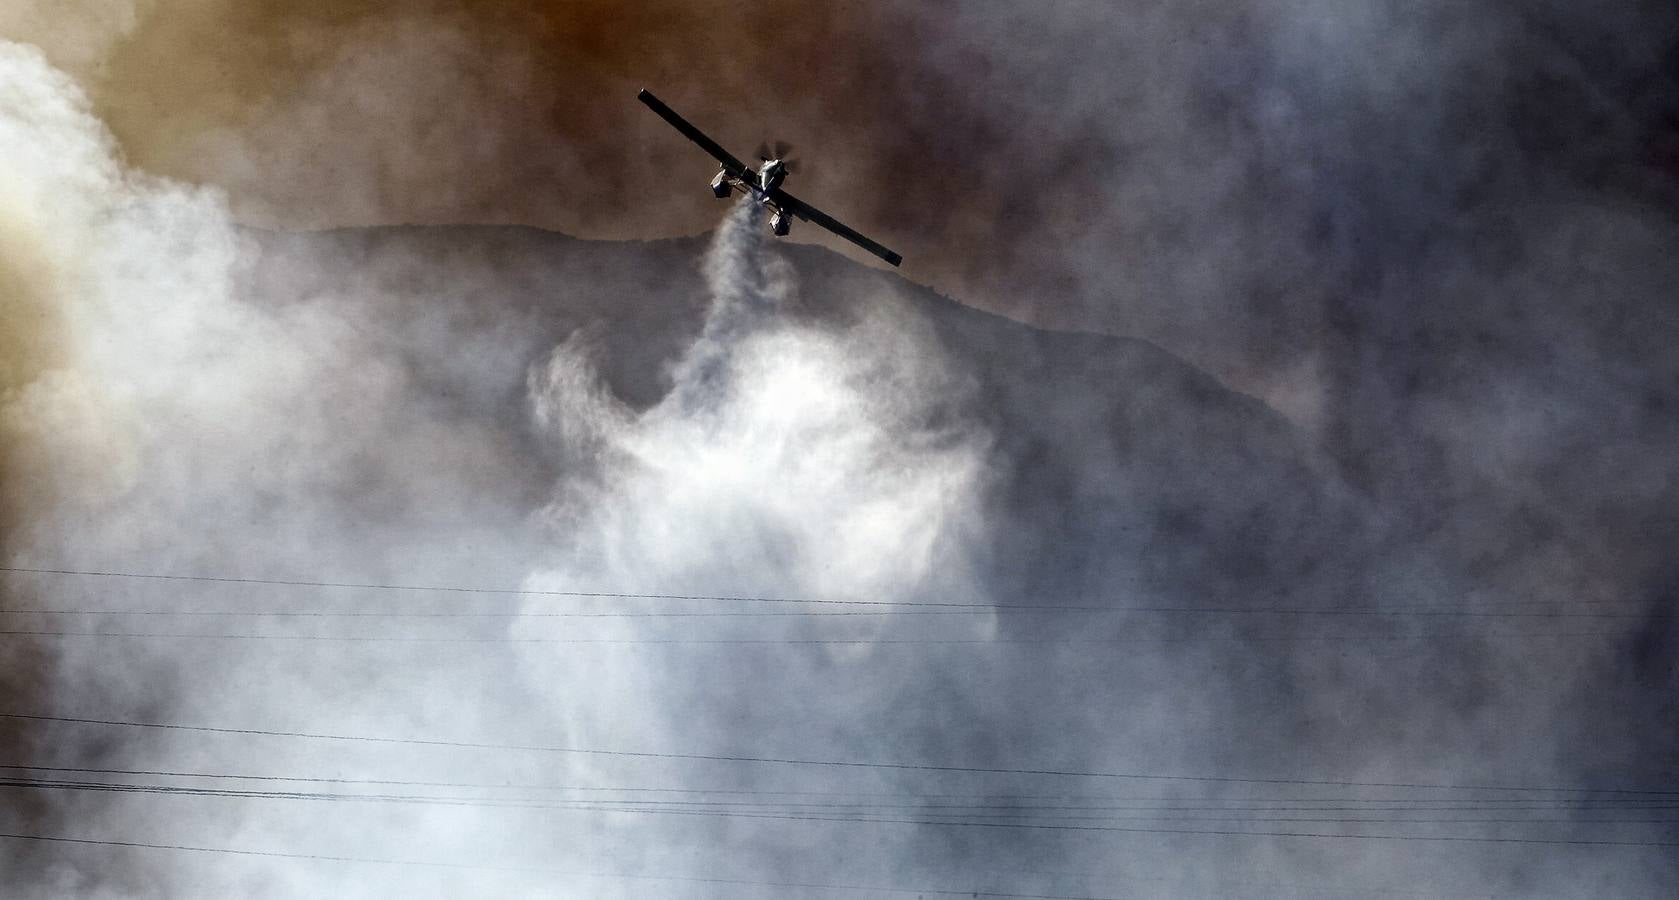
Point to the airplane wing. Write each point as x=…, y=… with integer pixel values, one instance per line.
x=735, y=166
x=811, y=214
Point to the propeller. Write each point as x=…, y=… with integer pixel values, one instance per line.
x=779, y=150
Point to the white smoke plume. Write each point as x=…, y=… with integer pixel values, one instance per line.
x=164, y=420
x=156, y=420
x=788, y=461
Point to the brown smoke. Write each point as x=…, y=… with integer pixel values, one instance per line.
x=318, y=114
x=1187, y=172
x=30, y=345
x=330, y=113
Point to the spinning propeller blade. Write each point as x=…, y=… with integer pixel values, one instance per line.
x=779, y=150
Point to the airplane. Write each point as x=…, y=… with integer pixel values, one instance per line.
x=763, y=184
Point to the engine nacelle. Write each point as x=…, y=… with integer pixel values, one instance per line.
x=781, y=223
x=720, y=187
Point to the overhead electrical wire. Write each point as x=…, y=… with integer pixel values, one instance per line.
x=399, y=639
x=979, y=608
x=837, y=764
x=995, y=800
x=864, y=812
x=1411, y=803
x=294, y=613
x=988, y=821
x=713, y=614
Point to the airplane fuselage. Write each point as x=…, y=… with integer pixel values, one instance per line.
x=771, y=174
x=762, y=184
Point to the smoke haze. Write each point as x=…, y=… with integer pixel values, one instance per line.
x=1369, y=306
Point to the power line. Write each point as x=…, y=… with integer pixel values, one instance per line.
x=1050, y=826
x=842, y=764
x=512, y=592
x=903, y=604
x=982, y=820
x=714, y=614
x=387, y=639
x=977, y=610
x=1433, y=803
x=920, y=798
x=851, y=812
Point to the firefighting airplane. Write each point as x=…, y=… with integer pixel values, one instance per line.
x=764, y=183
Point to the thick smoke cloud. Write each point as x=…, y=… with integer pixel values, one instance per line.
x=788, y=460
x=1434, y=236
x=156, y=418
x=175, y=421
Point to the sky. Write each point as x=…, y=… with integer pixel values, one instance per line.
x=1355, y=305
